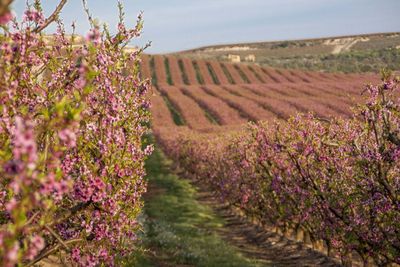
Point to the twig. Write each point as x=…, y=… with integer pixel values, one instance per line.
x=48, y=228
x=52, y=17
x=74, y=210
x=394, y=139
x=51, y=251
x=32, y=218
x=86, y=9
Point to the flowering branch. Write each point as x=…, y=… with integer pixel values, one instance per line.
x=56, y=236
x=71, y=158
x=65, y=216
x=51, y=18
x=51, y=250
x=339, y=179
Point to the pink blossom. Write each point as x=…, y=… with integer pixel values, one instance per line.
x=68, y=137
x=34, y=16
x=36, y=244
x=94, y=35
x=76, y=254
x=12, y=254
x=6, y=17
x=13, y=167
x=61, y=134
x=149, y=150
x=24, y=140
x=11, y=204
x=339, y=179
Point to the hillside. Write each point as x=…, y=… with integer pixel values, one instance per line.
x=361, y=53
x=207, y=95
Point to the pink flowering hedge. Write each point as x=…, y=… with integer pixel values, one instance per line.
x=339, y=180
x=71, y=158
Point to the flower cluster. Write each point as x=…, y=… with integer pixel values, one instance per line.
x=338, y=180
x=72, y=120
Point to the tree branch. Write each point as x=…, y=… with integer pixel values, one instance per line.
x=52, y=250
x=52, y=17
x=48, y=228
x=73, y=211
x=394, y=139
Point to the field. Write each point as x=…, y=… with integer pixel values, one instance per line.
x=254, y=137
x=113, y=157
x=210, y=95
x=347, y=54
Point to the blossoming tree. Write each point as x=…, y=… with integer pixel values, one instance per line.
x=72, y=120
x=337, y=180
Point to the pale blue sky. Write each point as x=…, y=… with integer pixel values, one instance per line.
x=183, y=24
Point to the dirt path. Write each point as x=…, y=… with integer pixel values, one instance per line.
x=254, y=242
x=186, y=226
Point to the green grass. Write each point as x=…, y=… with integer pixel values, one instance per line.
x=256, y=74
x=183, y=72
x=242, y=74
x=153, y=72
x=168, y=71
x=212, y=73
x=176, y=115
x=178, y=228
x=227, y=74
x=209, y=115
x=198, y=74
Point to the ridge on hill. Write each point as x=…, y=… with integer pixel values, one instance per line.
x=348, y=54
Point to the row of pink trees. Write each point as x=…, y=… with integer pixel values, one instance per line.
x=71, y=156
x=339, y=180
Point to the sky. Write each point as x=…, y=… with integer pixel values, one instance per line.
x=175, y=25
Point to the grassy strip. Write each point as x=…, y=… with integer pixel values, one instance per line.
x=209, y=115
x=185, y=78
x=256, y=74
x=287, y=77
x=153, y=72
x=168, y=71
x=229, y=103
x=198, y=74
x=212, y=73
x=176, y=115
x=260, y=103
x=242, y=74
x=270, y=76
x=227, y=74
x=232, y=91
x=179, y=230
x=140, y=70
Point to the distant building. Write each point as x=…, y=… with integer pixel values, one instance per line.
x=130, y=49
x=77, y=41
x=250, y=58
x=234, y=58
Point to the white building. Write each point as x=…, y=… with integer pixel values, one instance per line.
x=234, y=58
x=250, y=58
